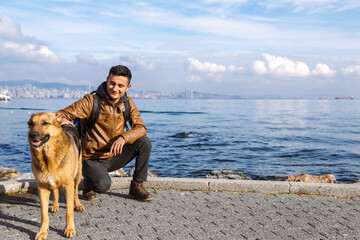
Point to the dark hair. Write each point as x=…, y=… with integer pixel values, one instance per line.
x=120, y=70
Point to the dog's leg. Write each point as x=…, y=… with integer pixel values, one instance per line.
x=55, y=206
x=70, y=226
x=78, y=206
x=44, y=195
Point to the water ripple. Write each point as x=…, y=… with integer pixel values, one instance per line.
x=260, y=138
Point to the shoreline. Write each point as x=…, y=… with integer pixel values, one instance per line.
x=26, y=182
x=232, y=175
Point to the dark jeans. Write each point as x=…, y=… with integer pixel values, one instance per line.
x=96, y=171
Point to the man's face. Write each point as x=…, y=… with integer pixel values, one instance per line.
x=117, y=86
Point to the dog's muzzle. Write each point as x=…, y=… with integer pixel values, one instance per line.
x=37, y=140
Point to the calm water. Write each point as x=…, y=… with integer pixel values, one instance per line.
x=260, y=138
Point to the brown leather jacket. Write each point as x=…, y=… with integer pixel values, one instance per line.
x=109, y=126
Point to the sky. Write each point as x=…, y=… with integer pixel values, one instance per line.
x=237, y=47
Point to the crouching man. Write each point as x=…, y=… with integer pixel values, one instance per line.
x=106, y=146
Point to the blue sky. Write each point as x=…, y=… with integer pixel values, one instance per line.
x=267, y=47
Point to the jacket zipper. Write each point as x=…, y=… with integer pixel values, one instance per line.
x=113, y=124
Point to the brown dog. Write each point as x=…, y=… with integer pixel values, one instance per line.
x=56, y=164
x=329, y=178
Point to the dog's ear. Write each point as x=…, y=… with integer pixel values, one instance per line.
x=58, y=119
x=30, y=122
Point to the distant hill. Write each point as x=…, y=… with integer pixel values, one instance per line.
x=200, y=95
x=48, y=85
x=215, y=96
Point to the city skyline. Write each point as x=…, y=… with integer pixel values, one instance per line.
x=232, y=47
x=61, y=90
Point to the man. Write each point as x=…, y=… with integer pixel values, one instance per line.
x=106, y=147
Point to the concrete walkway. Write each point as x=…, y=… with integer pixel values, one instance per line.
x=196, y=209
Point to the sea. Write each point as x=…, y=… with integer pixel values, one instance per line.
x=262, y=138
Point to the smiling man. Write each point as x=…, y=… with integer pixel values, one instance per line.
x=106, y=146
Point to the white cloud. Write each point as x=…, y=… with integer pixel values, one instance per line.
x=233, y=68
x=16, y=47
x=86, y=58
x=9, y=30
x=352, y=70
x=194, y=79
x=280, y=67
x=206, y=67
x=259, y=67
x=313, y=6
x=284, y=67
x=136, y=63
x=27, y=52
x=226, y=1
x=323, y=70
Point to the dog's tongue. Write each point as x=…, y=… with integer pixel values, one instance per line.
x=36, y=143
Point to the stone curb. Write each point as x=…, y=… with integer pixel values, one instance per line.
x=214, y=185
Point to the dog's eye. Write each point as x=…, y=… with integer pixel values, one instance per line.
x=45, y=123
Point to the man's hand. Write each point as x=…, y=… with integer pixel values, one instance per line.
x=67, y=122
x=117, y=146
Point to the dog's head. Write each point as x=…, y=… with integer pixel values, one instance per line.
x=42, y=126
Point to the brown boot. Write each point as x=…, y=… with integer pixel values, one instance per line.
x=138, y=192
x=88, y=194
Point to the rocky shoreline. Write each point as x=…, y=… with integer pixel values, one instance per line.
x=10, y=174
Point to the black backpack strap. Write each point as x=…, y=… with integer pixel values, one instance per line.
x=95, y=113
x=94, y=116
x=127, y=113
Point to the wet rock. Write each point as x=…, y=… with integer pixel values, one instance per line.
x=8, y=173
x=227, y=174
x=183, y=134
x=273, y=178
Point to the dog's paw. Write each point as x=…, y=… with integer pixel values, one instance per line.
x=41, y=235
x=54, y=208
x=70, y=232
x=79, y=208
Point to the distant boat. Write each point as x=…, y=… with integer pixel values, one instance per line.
x=4, y=96
x=345, y=98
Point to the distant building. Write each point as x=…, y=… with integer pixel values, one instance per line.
x=54, y=93
x=189, y=93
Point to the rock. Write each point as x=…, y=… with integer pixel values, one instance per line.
x=24, y=177
x=183, y=135
x=118, y=173
x=150, y=173
x=227, y=174
x=357, y=181
x=273, y=178
x=8, y=173
x=328, y=178
x=121, y=173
